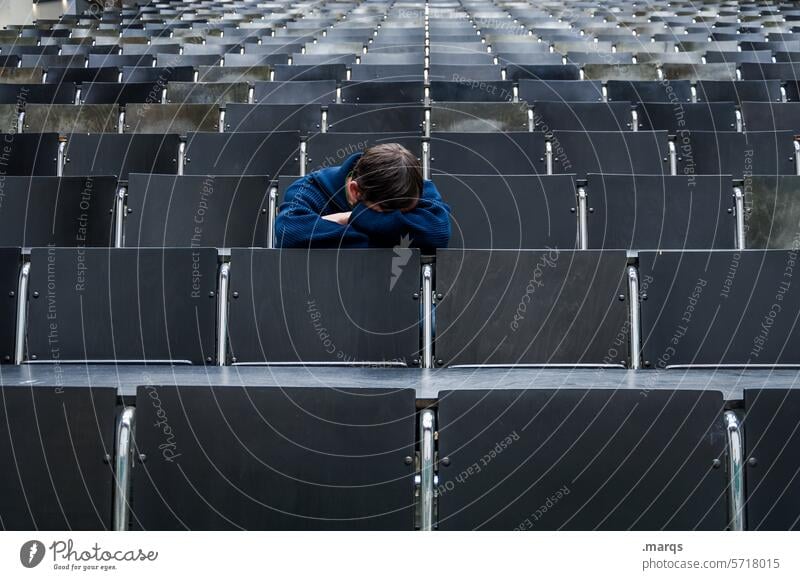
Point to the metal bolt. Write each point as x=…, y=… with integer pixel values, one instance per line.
x=142, y=457
x=439, y=296
x=234, y=359
x=209, y=359
x=439, y=362
x=34, y=357
x=415, y=295
x=415, y=361
x=11, y=294
x=752, y=462
x=235, y=294
x=716, y=464
x=445, y=461
x=211, y=294
x=591, y=210
x=35, y=294
x=130, y=210
x=572, y=209
x=621, y=297
x=106, y=458
x=647, y=363
x=263, y=210
x=408, y=460
x=730, y=210
x=644, y=296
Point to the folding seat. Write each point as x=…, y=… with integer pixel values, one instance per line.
x=124, y=304
x=584, y=152
x=440, y=59
x=785, y=71
x=479, y=320
x=47, y=61
x=249, y=60
x=61, y=476
x=331, y=149
x=334, y=48
x=57, y=211
x=65, y=119
x=157, y=75
x=9, y=61
x=22, y=49
x=705, y=45
x=242, y=154
x=323, y=72
x=215, y=49
x=191, y=60
x=737, y=154
x=739, y=91
x=558, y=115
x=793, y=57
x=566, y=91
x=29, y=153
x=375, y=118
x=636, y=212
x=498, y=154
x=121, y=93
x=581, y=459
x=686, y=116
x=649, y=91
x=120, y=154
x=582, y=58
x=196, y=211
x=462, y=89
x=515, y=211
x=387, y=72
x=621, y=72
x=233, y=74
x=37, y=93
x=770, y=417
x=56, y=75
x=338, y=473
x=464, y=73
x=174, y=118
x=21, y=75
x=530, y=60
x=372, y=58
x=295, y=92
x=165, y=50
x=700, y=72
x=718, y=308
x=382, y=92
x=120, y=60
x=683, y=58
x=208, y=93
x=771, y=116
x=544, y=72
x=318, y=59
x=771, y=217
x=262, y=118
x=754, y=56
x=480, y=117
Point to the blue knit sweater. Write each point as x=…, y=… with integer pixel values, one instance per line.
x=300, y=225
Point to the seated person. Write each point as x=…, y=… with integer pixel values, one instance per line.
x=377, y=199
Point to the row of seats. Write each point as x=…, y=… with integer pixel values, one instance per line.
x=305, y=458
x=493, y=307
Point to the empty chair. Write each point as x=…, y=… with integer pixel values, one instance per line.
x=376, y=118
x=120, y=154
x=770, y=418
x=660, y=212
x=567, y=91
x=736, y=154
x=772, y=211
x=693, y=58
x=46, y=94
x=21, y=75
x=771, y=116
x=65, y=60
x=479, y=117
x=149, y=305
x=686, y=116
x=515, y=211
x=387, y=72
x=56, y=75
x=71, y=118
x=190, y=60
x=322, y=72
x=382, y=92
x=558, y=115
x=718, y=308
x=699, y=72
x=303, y=118
x=581, y=58
x=57, y=211
x=498, y=154
x=462, y=73
x=467, y=90
x=544, y=72
x=739, y=91
x=207, y=93
x=331, y=149
x=649, y=91
x=239, y=153
x=233, y=74
x=254, y=60
x=784, y=71
x=403, y=59
x=174, y=118
x=584, y=152
x=29, y=154
x=282, y=320
x=61, y=476
x=120, y=93
x=622, y=72
x=317, y=59
x=530, y=307
x=339, y=472
x=582, y=459
x=196, y=211
x=295, y=93
x=157, y=75
x=120, y=60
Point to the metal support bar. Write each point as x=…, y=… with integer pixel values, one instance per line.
x=303, y=157
x=738, y=196
x=122, y=468
x=797, y=156
x=673, y=157
x=222, y=311
x=634, y=120
x=22, y=313
x=273, y=208
x=21, y=122
x=427, y=316
x=583, y=219
x=61, y=158
x=736, y=504
x=426, y=159
x=426, y=123
x=119, y=217
x=548, y=157
x=635, y=336
x=221, y=125
x=181, y=157
x=427, y=426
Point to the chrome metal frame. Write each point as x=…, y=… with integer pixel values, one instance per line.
x=119, y=216
x=548, y=157
x=181, y=157
x=635, y=335
x=222, y=311
x=583, y=218
x=272, y=210
x=426, y=159
x=427, y=427
x=736, y=496
x=427, y=316
x=304, y=156
x=61, y=158
x=221, y=124
x=673, y=157
x=22, y=313
x=123, y=464
x=797, y=156
x=738, y=196
x=634, y=120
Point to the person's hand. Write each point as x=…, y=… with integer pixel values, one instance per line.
x=338, y=218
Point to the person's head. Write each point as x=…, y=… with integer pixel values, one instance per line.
x=387, y=177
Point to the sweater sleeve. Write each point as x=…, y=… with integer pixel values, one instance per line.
x=427, y=225
x=299, y=223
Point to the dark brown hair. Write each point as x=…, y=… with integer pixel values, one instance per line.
x=389, y=175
